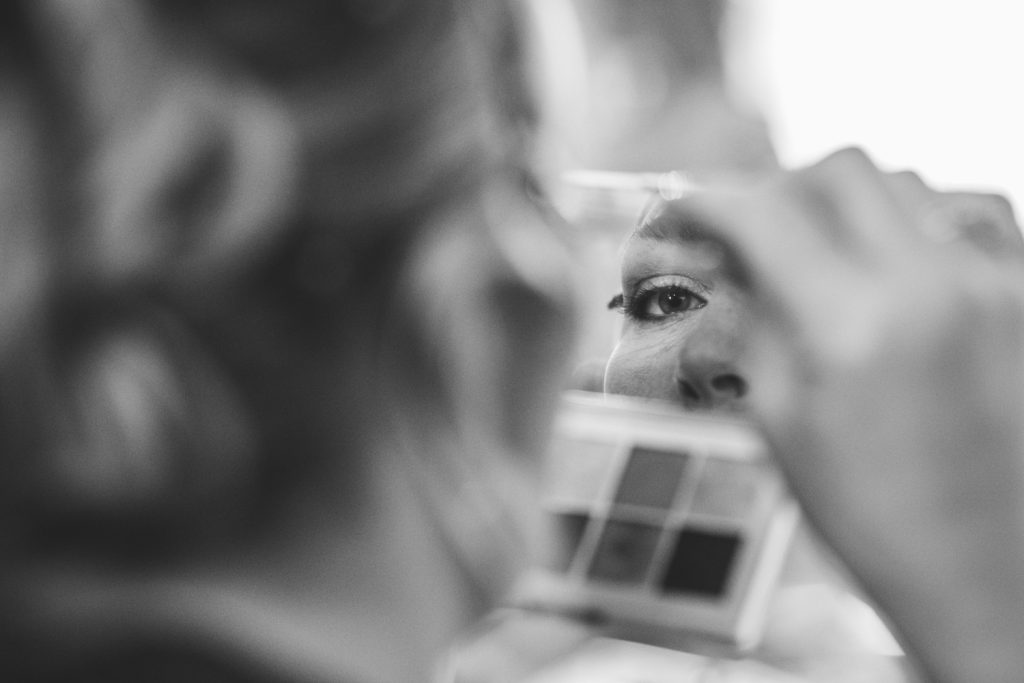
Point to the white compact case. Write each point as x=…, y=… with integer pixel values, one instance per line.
x=670, y=528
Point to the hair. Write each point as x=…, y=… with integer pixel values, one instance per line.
x=204, y=203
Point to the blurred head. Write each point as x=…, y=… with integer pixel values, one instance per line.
x=686, y=322
x=257, y=253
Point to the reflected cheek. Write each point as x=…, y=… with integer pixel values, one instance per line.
x=642, y=367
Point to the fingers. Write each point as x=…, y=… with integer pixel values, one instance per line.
x=832, y=254
x=866, y=211
x=908, y=188
x=805, y=244
x=840, y=212
x=985, y=221
x=836, y=221
x=761, y=232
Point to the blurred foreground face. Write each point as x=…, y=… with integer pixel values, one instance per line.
x=686, y=323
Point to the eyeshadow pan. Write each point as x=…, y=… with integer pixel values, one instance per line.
x=652, y=478
x=664, y=525
x=624, y=552
x=727, y=489
x=701, y=562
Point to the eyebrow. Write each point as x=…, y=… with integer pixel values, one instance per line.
x=658, y=223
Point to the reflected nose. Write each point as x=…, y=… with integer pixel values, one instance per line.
x=707, y=373
x=711, y=386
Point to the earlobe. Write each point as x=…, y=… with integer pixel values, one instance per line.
x=475, y=377
x=532, y=346
x=532, y=290
x=504, y=315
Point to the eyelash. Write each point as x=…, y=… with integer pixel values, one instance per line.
x=635, y=306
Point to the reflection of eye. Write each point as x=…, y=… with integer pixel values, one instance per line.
x=665, y=301
x=658, y=299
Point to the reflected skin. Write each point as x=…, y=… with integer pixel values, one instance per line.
x=686, y=323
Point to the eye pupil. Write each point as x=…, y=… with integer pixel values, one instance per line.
x=672, y=301
x=662, y=301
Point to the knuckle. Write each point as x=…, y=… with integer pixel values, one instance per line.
x=851, y=164
x=850, y=159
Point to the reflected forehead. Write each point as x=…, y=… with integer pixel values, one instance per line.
x=665, y=223
x=668, y=224
x=674, y=235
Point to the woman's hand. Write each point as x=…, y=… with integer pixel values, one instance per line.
x=889, y=376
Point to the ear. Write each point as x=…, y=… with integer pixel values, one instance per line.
x=473, y=358
x=530, y=345
x=502, y=322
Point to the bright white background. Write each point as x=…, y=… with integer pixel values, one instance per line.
x=933, y=85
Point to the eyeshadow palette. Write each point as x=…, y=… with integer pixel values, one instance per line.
x=669, y=528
